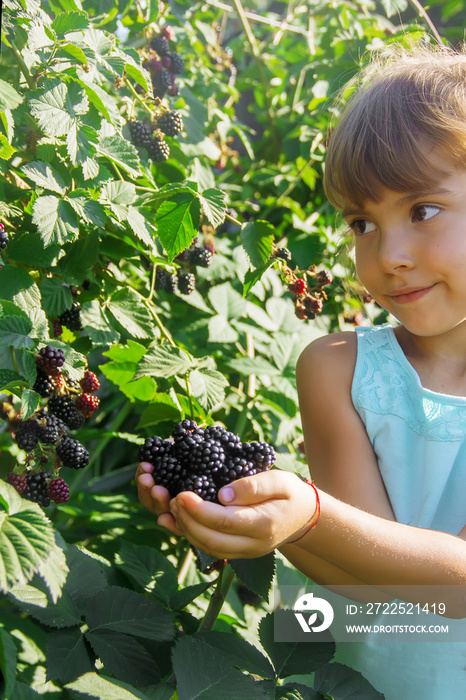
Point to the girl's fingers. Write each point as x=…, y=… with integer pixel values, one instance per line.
x=167, y=521
x=274, y=484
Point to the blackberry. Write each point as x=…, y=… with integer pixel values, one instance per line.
x=161, y=82
x=153, y=448
x=202, y=484
x=71, y=318
x=89, y=383
x=27, y=435
x=324, y=277
x=58, y=490
x=57, y=328
x=36, y=489
x=76, y=421
x=63, y=407
x=3, y=237
x=171, y=123
x=72, y=453
x=184, y=445
x=87, y=404
x=140, y=133
x=165, y=280
x=186, y=282
x=230, y=442
x=19, y=481
x=168, y=472
x=186, y=426
x=50, y=360
x=43, y=385
x=283, y=254
x=177, y=63
x=158, y=150
x=51, y=429
x=236, y=468
x=260, y=453
x=208, y=456
x=160, y=44
x=200, y=256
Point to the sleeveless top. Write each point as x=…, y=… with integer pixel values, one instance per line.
x=419, y=438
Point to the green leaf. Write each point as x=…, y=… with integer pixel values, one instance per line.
x=117, y=193
x=7, y=663
x=128, y=307
x=9, y=97
x=161, y=409
x=57, y=108
x=87, y=209
x=56, y=296
x=208, y=387
x=97, y=324
x=6, y=149
x=203, y=673
x=45, y=176
x=394, y=7
x=26, y=538
x=140, y=75
x=343, y=683
x=257, y=238
x=213, y=205
x=105, y=104
x=30, y=401
x=120, y=152
x=70, y=22
x=149, y=568
x=74, y=51
x=80, y=256
x=14, y=332
x=226, y=301
x=174, y=222
x=140, y=226
x=18, y=286
x=97, y=686
x=122, y=610
x=124, y=657
x=81, y=142
x=253, y=276
x=239, y=652
x=55, y=220
x=9, y=379
x=68, y=655
x=290, y=658
x=122, y=374
x=35, y=601
x=256, y=574
x=86, y=575
x=30, y=246
x=164, y=361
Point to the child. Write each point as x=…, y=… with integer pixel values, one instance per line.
x=383, y=409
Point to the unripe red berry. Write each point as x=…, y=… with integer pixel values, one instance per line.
x=298, y=287
x=324, y=277
x=87, y=404
x=89, y=383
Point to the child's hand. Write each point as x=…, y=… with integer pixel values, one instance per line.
x=261, y=512
x=155, y=498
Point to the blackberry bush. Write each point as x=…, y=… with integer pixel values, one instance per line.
x=50, y=360
x=71, y=318
x=43, y=385
x=27, y=435
x=186, y=282
x=200, y=256
x=171, y=123
x=36, y=489
x=140, y=133
x=72, y=454
x=50, y=429
x=63, y=407
x=158, y=150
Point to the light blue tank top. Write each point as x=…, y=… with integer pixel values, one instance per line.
x=419, y=438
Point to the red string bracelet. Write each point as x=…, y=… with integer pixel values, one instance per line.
x=315, y=517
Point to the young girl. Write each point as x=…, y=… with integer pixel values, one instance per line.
x=383, y=409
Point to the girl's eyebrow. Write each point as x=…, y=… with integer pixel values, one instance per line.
x=406, y=199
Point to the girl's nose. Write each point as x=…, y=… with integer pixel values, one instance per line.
x=395, y=250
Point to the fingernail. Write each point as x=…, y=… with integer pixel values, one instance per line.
x=227, y=494
x=146, y=467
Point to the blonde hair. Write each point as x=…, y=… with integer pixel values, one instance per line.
x=406, y=103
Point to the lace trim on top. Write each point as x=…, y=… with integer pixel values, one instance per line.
x=386, y=383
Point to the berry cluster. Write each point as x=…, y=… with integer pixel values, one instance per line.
x=3, y=237
x=164, y=63
x=71, y=318
x=203, y=459
x=44, y=435
x=142, y=136
x=179, y=281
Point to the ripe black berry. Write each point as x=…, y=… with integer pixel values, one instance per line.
x=200, y=256
x=186, y=282
x=27, y=435
x=3, y=237
x=260, y=453
x=63, y=407
x=71, y=318
x=50, y=360
x=72, y=453
x=43, y=385
x=166, y=280
x=177, y=63
x=153, y=448
x=50, y=429
x=207, y=456
x=160, y=44
x=18, y=481
x=168, y=472
x=161, y=82
x=202, y=484
x=58, y=490
x=171, y=123
x=186, y=426
x=36, y=489
x=283, y=254
x=141, y=135
x=158, y=150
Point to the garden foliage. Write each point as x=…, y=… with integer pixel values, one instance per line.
x=163, y=249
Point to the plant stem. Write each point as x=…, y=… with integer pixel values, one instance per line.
x=22, y=66
x=425, y=16
x=185, y=566
x=224, y=582
x=137, y=97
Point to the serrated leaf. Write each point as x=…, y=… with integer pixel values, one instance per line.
x=163, y=361
x=257, y=238
x=394, y=7
x=149, y=568
x=74, y=51
x=120, y=152
x=213, y=205
x=140, y=75
x=226, y=301
x=55, y=220
x=70, y=22
x=161, y=408
x=81, y=142
x=97, y=324
x=256, y=574
x=45, y=176
x=68, y=655
x=174, y=222
x=117, y=192
x=128, y=308
x=203, y=673
x=87, y=209
x=122, y=610
x=9, y=97
x=79, y=258
x=56, y=296
x=26, y=538
x=30, y=401
x=14, y=332
x=102, y=101
x=36, y=602
x=7, y=663
x=240, y=653
x=124, y=657
x=208, y=387
x=6, y=149
x=57, y=108
x=140, y=226
x=253, y=276
x=97, y=686
x=9, y=379
x=344, y=683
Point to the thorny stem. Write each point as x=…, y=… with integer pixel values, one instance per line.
x=219, y=595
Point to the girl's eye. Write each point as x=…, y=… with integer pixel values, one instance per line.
x=423, y=212
x=361, y=226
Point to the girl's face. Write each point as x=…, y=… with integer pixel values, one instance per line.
x=411, y=252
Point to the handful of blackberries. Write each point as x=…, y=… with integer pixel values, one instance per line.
x=203, y=459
